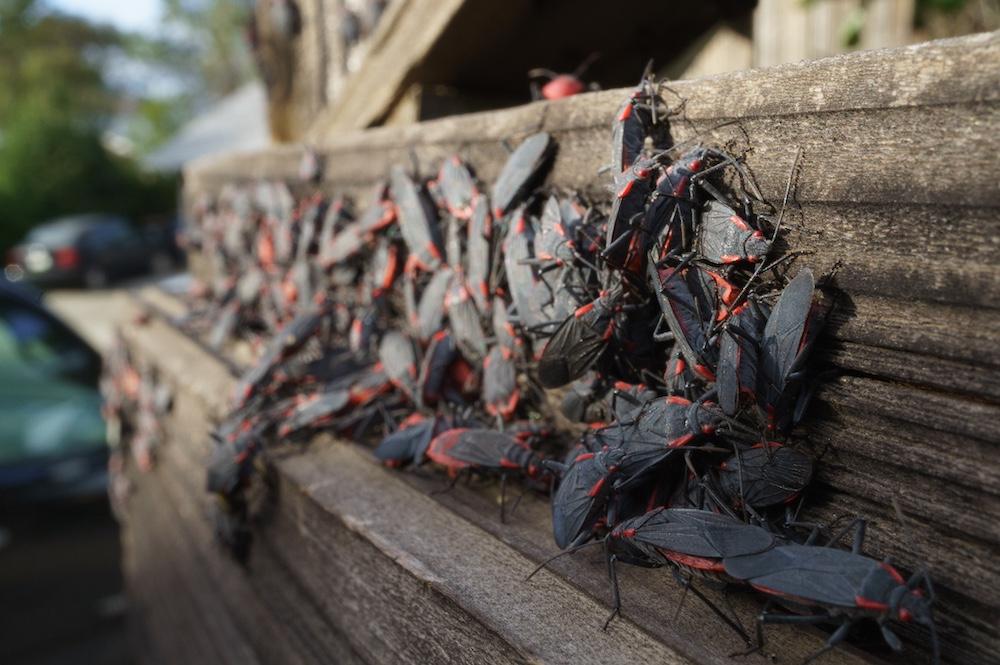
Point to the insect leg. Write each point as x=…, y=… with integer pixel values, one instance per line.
x=688, y=586
x=616, y=599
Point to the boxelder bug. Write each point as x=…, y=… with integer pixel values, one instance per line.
x=623, y=245
x=838, y=587
x=464, y=320
x=430, y=311
x=519, y=174
x=581, y=499
x=485, y=451
x=409, y=443
x=788, y=337
x=633, y=123
x=399, y=359
x=764, y=476
x=417, y=220
x=458, y=188
x=725, y=237
x=441, y=352
x=500, y=390
x=657, y=430
x=479, y=253
x=739, y=352
x=578, y=341
x=521, y=278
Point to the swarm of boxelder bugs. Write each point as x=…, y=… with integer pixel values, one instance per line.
x=432, y=321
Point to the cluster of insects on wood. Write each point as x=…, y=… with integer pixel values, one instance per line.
x=472, y=328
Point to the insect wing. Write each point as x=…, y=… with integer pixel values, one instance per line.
x=520, y=172
x=430, y=311
x=818, y=574
x=417, y=220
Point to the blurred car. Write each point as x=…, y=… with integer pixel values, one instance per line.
x=163, y=241
x=52, y=436
x=82, y=249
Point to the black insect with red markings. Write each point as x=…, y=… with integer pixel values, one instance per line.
x=579, y=505
x=408, y=444
x=763, y=476
x=501, y=393
x=579, y=340
x=485, y=451
x=835, y=586
x=789, y=335
x=521, y=172
x=418, y=222
x=399, y=358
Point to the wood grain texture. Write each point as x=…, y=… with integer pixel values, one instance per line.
x=896, y=201
x=333, y=486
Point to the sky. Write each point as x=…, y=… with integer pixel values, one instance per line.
x=131, y=15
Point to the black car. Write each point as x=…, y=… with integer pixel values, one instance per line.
x=83, y=249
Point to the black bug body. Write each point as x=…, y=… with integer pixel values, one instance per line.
x=581, y=499
x=479, y=253
x=465, y=323
x=483, y=450
x=724, y=237
x=409, y=443
x=788, y=337
x=457, y=187
x=520, y=172
x=430, y=310
x=660, y=428
x=739, y=355
x=623, y=244
x=500, y=390
x=399, y=359
x=417, y=220
x=578, y=341
x=831, y=585
x=765, y=476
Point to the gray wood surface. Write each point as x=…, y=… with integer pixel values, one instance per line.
x=896, y=195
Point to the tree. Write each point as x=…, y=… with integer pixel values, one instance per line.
x=55, y=107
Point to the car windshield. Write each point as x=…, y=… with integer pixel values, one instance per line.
x=49, y=404
x=64, y=232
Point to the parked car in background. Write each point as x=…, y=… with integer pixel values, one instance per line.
x=52, y=436
x=89, y=250
x=162, y=237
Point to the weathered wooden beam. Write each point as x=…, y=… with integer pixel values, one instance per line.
x=895, y=195
x=405, y=576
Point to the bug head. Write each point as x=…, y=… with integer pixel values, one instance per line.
x=914, y=602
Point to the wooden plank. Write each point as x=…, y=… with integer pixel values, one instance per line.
x=343, y=520
x=306, y=514
x=896, y=197
x=862, y=122
x=407, y=34
x=953, y=73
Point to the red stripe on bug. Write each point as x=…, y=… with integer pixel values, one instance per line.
x=680, y=441
x=873, y=605
x=893, y=573
x=696, y=562
x=433, y=250
x=739, y=223
x=596, y=489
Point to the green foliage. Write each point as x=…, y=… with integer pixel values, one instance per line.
x=55, y=107
x=216, y=30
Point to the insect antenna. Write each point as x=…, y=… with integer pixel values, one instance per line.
x=570, y=550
